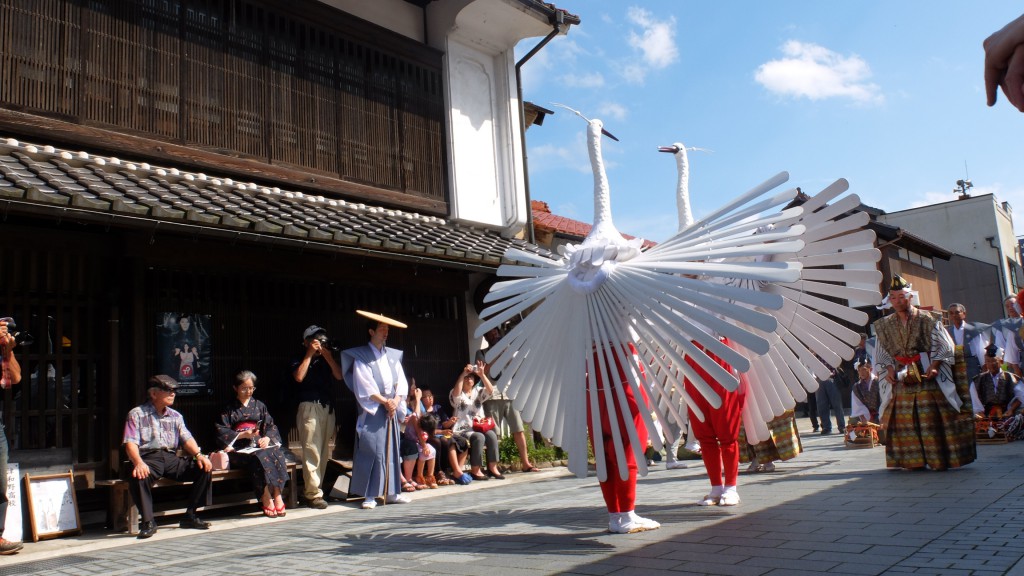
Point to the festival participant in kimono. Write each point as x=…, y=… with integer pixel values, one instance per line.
x=970, y=340
x=1008, y=333
x=374, y=374
x=929, y=424
x=993, y=390
x=247, y=432
x=865, y=396
x=784, y=444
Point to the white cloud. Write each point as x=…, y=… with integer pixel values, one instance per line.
x=612, y=110
x=591, y=80
x=654, y=40
x=811, y=71
x=538, y=72
x=556, y=157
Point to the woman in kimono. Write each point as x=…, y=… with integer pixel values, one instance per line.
x=248, y=434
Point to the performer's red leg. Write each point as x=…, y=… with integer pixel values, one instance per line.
x=726, y=421
x=719, y=431
x=619, y=495
x=709, y=447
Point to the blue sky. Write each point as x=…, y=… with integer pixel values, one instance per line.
x=887, y=94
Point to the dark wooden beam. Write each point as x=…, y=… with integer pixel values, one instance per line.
x=46, y=130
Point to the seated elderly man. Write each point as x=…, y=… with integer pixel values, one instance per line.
x=993, y=391
x=153, y=433
x=865, y=396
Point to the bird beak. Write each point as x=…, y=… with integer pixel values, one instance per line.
x=669, y=149
x=609, y=134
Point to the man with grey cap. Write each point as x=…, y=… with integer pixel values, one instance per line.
x=153, y=432
x=316, y=374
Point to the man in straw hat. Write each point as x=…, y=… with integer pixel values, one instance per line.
x=374, y=374
x=927, y=422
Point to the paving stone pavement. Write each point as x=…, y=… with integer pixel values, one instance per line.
x=831, y=510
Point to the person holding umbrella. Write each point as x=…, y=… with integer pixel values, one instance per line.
x=374, y=374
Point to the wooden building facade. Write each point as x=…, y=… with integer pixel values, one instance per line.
x=269, y=164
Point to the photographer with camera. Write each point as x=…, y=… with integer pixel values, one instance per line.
x=11, y=376
x=316, y=374
x=468, y=401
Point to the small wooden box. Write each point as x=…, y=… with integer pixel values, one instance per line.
x=990, y=431
x=861, y=436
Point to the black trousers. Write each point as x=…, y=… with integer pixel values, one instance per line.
x=163, y=464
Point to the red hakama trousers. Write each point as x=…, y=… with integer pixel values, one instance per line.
x=619, y=495
x=719, y=433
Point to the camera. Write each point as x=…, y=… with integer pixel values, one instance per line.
x=329, y=343
x=20, y=338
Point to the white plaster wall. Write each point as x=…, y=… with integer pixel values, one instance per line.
x=475, y=134
x=395, y=15
x=485, y=171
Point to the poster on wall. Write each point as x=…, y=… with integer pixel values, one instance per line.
x=183, y=351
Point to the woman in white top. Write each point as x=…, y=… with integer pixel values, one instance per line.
x=468, y=402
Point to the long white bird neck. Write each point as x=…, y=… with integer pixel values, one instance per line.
x=603, y=226
x=683, y=188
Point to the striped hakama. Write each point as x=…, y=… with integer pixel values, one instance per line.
x=783, y=445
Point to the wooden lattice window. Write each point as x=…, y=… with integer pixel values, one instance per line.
x=278, y=82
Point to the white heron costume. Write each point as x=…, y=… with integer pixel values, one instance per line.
x=607, y=312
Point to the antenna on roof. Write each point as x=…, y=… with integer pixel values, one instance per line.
x=962, y=186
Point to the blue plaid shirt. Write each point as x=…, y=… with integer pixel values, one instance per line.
x=151, y=431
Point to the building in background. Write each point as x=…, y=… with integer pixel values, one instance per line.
x=262, y=164
x=986, y=262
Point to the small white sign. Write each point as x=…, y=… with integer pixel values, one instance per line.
x=13, y=527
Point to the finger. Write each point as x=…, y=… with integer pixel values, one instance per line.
x=993, y=78
x=1013, y=81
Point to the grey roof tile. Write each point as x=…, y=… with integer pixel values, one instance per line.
x=49, y=176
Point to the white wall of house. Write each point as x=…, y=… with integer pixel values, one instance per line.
x=485, y=148
x=963, y=227
x=395, y=15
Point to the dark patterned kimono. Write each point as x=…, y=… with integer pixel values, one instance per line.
x=929, y=424
x=267, y=467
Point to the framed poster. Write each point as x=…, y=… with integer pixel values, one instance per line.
x=52, y=505
x=183, y=351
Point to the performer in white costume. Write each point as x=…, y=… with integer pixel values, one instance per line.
x=606, y=313
x=374, y=374
x=807, y=325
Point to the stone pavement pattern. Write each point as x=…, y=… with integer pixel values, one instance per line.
x=831, y=510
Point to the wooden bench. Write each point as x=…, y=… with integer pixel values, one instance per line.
x=123, y=515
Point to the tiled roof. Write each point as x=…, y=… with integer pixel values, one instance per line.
x=38, y=179
x=543, y=219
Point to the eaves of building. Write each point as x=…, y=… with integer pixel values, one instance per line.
x=45, y=181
